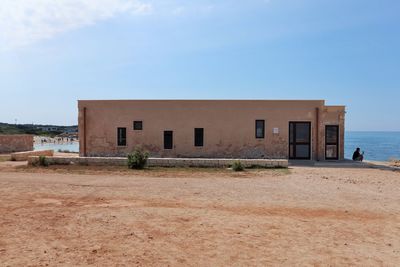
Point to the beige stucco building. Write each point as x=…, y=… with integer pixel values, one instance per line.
x=213, y=128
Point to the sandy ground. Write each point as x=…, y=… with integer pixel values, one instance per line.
x=165, y=217
x=395, y=163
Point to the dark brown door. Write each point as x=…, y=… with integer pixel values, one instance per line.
x=299, y=140
x=332, y=142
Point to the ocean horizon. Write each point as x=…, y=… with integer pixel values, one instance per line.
x=377, y=145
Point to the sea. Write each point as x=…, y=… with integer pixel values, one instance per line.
x=72, y=147
x=377, y=146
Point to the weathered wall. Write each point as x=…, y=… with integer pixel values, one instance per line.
x=16, y=143
x=229, y=127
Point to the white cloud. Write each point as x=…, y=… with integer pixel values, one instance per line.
x=23, y=22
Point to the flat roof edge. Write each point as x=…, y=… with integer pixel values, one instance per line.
x=233, y=100
x=335, y=106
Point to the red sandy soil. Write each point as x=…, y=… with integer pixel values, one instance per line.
x=79, y=216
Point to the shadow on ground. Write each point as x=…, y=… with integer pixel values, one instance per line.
x=344, y=164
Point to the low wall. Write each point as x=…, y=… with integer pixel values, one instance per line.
x=16, y=143
x=5, y=157
x=23, y=156
x=163, y=162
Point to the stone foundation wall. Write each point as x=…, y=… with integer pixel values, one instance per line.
x=16, y=143
x=163, y=162
x=23, y=156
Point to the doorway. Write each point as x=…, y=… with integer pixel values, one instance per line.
x=332, y=142
x=299, y=140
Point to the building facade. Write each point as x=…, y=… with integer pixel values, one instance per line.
x=295, y=129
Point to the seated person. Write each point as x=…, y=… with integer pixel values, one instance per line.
x=357, y=155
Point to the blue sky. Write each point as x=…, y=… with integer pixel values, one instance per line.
x=55, y=52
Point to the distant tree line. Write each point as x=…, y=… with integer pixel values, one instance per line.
x=6, y=128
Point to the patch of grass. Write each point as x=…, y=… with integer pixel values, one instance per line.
x=3, y=159
x=285, y=171
x=160, y=172
x=43, y=161
x=268, y=168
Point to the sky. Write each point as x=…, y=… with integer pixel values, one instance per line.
x=54, y=52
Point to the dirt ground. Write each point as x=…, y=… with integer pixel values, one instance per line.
x=78, y=216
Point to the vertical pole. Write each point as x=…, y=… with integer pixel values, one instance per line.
x=317, y=136
x=84, y=131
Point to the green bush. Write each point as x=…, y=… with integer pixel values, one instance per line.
x=43, y=161
x=138, y=159
x=237, y=166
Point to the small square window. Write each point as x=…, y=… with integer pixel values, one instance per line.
x=138, y=125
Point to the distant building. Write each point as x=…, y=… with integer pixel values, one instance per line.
x=295, y=129
x=48, y=128
x=71, y=130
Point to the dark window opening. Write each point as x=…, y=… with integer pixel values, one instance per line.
x=332, y=142
x=138, y=125
x=121, y=136
x=260, y=128
x=168, y=140
x=198, y=137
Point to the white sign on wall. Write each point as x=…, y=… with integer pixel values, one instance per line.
x=276, y=130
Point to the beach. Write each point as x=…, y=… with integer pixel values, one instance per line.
x=65, y=144
x=53, y=140
x=304, y=216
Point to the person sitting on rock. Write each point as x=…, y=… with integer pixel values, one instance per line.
x=357, y=155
